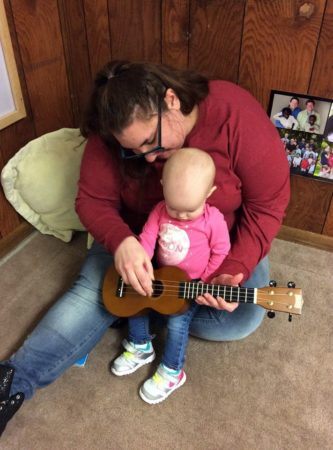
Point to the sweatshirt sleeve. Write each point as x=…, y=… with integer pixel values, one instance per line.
x=259, y=161
x=98, y=200
x=149, y=234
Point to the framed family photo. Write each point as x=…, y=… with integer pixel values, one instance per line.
x=11, y=101
x=305, y=126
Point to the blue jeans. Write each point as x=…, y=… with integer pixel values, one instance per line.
x=214, y=325
x=77, y=322
x=177, y=335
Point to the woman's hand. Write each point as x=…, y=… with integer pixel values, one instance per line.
x=133, y=264
x=219, y=302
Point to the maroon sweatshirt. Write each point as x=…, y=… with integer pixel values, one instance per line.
x=252, y=179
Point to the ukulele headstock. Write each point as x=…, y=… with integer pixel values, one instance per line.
x=289, y=299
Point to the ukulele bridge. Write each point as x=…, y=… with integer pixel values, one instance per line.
x=121, y=288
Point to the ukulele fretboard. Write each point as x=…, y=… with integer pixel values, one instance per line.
x=191, y=289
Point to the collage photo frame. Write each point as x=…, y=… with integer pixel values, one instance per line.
x=305, y=126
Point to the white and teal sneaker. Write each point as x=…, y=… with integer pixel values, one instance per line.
x=161, y=384
x=134, y=357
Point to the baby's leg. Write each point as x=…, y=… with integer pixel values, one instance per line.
x=138, y=349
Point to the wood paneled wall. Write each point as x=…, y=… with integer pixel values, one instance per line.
x=259, y=44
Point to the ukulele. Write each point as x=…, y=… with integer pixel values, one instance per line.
x=173, y=291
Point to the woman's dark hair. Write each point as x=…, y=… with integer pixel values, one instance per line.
x=125, y=90
x=294, y=98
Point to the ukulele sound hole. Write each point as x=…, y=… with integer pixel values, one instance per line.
x=157, y=288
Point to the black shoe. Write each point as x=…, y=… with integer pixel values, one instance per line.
x=6, y=379
x=8, y=408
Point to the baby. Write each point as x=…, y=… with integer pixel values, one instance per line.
x=191, y=235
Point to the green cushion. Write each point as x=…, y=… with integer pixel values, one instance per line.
x=40, y=181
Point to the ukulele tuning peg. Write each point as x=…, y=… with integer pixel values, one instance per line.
x=271, y=314
x=291, y=285
x=272, y=283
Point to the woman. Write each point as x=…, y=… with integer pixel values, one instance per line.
x=155, y=110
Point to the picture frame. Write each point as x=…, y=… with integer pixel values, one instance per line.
x=305, y=125
x=12, y=106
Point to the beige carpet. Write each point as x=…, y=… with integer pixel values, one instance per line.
x=270, y=391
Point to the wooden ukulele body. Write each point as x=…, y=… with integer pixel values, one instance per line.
x=122, y=301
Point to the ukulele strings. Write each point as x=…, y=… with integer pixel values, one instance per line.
x=174, y=290
x=174, y=285
x=241, y=299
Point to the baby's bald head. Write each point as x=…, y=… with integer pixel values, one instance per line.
x=188, y=178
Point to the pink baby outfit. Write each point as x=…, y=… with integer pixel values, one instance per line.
x=196, y=246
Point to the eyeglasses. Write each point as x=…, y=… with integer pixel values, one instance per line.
x=129, y=154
